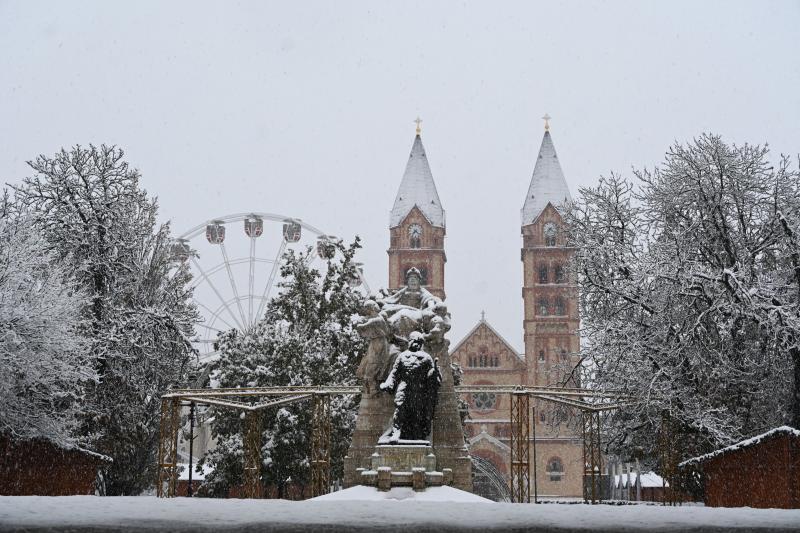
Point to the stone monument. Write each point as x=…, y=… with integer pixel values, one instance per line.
x=408, y=430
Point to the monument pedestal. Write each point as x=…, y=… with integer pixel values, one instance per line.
x=448, y=433
x=374, y=412
x=404, y=465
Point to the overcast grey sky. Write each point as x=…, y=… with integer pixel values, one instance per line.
x=306, y=108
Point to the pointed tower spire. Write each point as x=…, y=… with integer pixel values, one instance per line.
x=417, y=188
x=548, y=185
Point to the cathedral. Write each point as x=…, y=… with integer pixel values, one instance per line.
x=550, y=301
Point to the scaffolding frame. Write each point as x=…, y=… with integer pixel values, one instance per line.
x=252, y=400
x=520, y=447
x=321, y=444
x=168, y=447
x=592, y=456
x=252, y=454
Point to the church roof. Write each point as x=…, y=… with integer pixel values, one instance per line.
x=417, y=189
x=483, y=435
x=547, y=183
x=474, y=330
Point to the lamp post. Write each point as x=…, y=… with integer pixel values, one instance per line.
x=190, y=491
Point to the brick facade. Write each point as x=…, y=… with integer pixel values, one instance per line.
x=552, y=346
x=425, y=252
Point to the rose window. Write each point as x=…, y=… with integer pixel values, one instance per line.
x=484, y=400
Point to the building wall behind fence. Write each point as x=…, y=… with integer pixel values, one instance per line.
x=40, y=468
x=766, y=475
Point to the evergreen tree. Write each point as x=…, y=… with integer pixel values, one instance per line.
x=307, y=337
x=89, y=206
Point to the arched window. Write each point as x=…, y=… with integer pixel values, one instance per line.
x=483, y=360
x=550, y=230
x=541, y=355
x=559, y=271
x=543, y=305
x=542, y=273
x=471, y=361
x=542, y=417
x=560, y=306
x=563, y=354
x=555, y=469
x=496, y=361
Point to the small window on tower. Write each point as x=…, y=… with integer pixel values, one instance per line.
x=560, y=306
x=560, y=274
x=543, y=306
x=541, y=355
x=542, y=273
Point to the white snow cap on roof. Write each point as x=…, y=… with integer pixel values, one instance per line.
x=417, y=188
x=547, y=183
x=646, y=480
x=752, y=441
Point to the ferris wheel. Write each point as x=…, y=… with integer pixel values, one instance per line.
x=235, y=260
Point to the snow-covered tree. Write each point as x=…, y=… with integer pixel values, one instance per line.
x=690, y=295
x=89, y=206
x=44, y=356
x=307, y=337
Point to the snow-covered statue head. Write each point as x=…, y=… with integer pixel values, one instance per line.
x=413, y=278
x=371, y=308
x=415, y=341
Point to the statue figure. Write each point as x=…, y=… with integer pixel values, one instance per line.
x=414, y=381
x=377, y=361
x=413, y=295
x=437, y=325
x=403, y=329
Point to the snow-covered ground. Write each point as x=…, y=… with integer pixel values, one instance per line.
x=81, y=513
x=432, y=494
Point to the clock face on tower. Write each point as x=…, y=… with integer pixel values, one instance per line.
x=415, y=235
x=550, y=231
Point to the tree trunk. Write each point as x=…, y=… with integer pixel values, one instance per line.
x=795, y=354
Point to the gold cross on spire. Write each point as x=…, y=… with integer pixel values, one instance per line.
x=418, y=122
x=546, y=119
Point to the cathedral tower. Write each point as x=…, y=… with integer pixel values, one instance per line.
x=417, y=225
x=551, y=320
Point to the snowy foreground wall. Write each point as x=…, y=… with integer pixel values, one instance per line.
x=80, y=513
